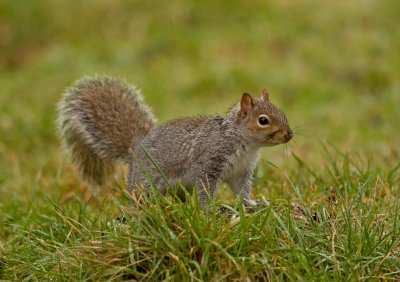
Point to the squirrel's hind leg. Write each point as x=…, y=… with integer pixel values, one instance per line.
x=140, y=182
x=137, y=185
x=206, y=190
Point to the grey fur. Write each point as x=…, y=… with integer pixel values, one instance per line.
x=197, y=152
x=99, y=117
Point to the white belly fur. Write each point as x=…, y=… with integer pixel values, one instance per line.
x=238, y=162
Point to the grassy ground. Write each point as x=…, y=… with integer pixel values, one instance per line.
x=333, y=67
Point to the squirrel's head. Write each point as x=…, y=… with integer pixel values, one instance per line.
x=267, y=124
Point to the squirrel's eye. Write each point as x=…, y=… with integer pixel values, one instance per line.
x=263, y=120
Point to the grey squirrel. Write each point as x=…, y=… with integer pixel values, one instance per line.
x=103, y=120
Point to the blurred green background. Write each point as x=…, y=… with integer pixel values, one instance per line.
x=332, y=66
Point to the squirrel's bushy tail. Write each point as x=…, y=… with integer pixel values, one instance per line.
x=99, y=119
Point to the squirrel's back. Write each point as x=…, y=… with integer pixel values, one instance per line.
x=99, y=119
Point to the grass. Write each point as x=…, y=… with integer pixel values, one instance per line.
x=356, y=237
x=333, y=68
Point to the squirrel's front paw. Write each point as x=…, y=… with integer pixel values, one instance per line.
x=254, y=205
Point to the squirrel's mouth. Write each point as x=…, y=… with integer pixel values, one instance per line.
x=288, y=136
x=280, y=137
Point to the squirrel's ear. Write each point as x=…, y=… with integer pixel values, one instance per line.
x=246, y=104
x=265, y=95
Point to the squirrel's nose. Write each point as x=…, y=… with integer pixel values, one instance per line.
x=288, y=135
